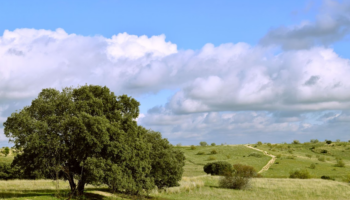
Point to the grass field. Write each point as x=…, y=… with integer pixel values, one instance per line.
x=232, y=154
x=195, y=184
x=301, y=156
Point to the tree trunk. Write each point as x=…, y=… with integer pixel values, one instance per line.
x=81, y=185
x=71, y=183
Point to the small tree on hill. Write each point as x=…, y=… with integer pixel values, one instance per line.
x=203, y=144
x=6, y=151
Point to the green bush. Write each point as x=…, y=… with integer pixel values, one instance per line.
x=328, y=141
x=240, y=178
x=200, y=153
x=203, y=144
x=302, y=174
x=323, y=151
x=179, y=145
x=232, y=181
x=278, y=156
x=193, y=147
x=347, y=178
x=314, y=141
x=326, y=177
x=308, y=155
x=213, y=151
x=295, y=142
x=213, y=144
x=260, y=143
x=218, y=168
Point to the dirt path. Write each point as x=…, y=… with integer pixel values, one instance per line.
x=268, y=165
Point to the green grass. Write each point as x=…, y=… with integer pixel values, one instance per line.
x=233, y=154
x=301, y=161
x=263, y=188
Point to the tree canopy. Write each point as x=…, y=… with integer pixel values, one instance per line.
x=90, y=135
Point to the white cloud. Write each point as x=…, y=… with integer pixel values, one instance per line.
x=213, y=84
x=331, y=25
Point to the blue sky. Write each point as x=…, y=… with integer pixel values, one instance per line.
x=219, y=71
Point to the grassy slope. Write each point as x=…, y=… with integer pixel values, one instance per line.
x=232, y=154
x=265, y=188
x=301, y=161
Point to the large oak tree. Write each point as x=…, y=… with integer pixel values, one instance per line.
x=90, y=135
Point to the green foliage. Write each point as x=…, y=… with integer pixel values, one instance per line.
x=193, y=147
x=6, y=151
x=203, y=144
x=308, y=155
x=7, y=172
x=238, y=178
x=296, y=142
x=213, y=151
x=323, y=151
x=278, y=156
x=259, y=143
x=213, y=144
x=217, y=168
x=166, y=161
x=179, y=145
x=326, y=177
x=301, y=174
x=91, y=136
x=200, y=153
x=328, y=141
x=314, y=141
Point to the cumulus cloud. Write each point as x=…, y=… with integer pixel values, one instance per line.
x=230, y=89
x=331, y=25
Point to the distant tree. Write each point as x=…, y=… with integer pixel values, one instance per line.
x=296, y=142
x=328, y=141
x=203, y=144
x=314, y=141
x=91, y=136
x=213, y=144
x=259, y=143
x=6, y=151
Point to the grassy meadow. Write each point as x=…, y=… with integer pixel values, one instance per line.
x=195, y=184
x=302, y=156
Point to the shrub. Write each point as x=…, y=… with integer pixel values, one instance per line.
x=244, y=170
x=326, y=177
x=340, y=163
x=240, y=178
x=203, y=144
x=328, y=141
x=312, y=166
x=321, y=158
x=178, y=145
x=213, y=144
x=233, y=181
x=324, y=151
x=337, y=140
x=258, y=155
x=269, y=145
x=302, y=174
x=290, y=157
x=213, y=151
x=218, y=168
x=308, y=155
x=314, y=141
x=278, y=155
x=260, y=143
x=193, y=147
x=290, y=151
x=200, y=153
